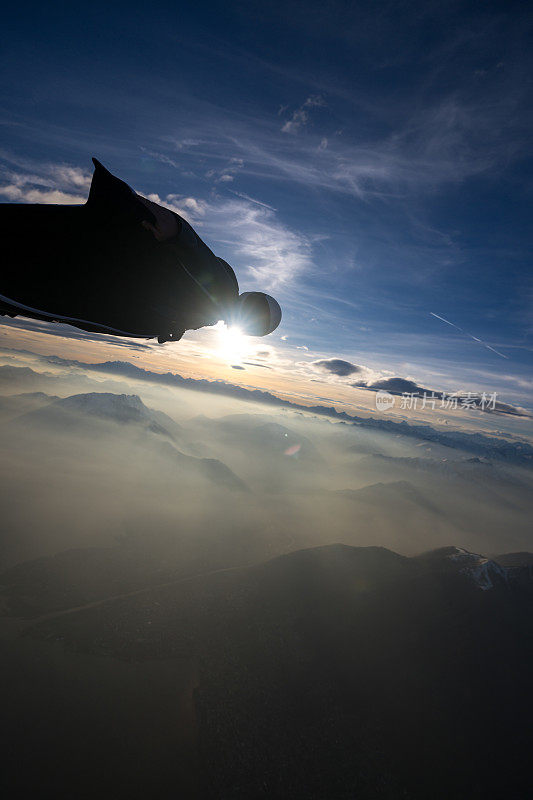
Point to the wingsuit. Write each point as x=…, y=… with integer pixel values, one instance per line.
x=98, y=267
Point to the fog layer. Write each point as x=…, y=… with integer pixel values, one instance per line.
x=200, y=481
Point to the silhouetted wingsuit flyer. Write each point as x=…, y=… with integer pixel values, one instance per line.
x=123, y=265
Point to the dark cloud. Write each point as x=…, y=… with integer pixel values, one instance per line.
x=253, y=364
x=236, y=366
x=336, y=366
x=507, y=408
x=402, y=386
x=397, y=386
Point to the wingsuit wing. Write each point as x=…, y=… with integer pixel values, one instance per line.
x=96, y=267
x=113, y=201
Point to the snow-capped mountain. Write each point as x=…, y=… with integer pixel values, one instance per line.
x=474, y=469
x=119, y=407
x=486, y=573
x=483, y=571
x=123, y=409
x=479, y=444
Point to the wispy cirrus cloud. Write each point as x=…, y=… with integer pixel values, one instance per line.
x=250, y=232
x=456, y=136
x=300, y=117
x=272, y=252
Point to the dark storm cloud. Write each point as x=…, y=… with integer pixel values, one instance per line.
x=336, y=366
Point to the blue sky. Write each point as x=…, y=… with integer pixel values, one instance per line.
x=367, y=163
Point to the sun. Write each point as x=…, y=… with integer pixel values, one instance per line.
x=233, y=344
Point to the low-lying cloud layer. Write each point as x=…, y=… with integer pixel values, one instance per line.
x=213, y=475
x=519, y=452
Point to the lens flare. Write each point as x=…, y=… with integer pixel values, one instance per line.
x=293, y=450
x=233, y=344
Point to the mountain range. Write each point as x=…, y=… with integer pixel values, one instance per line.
x=104, y=415
x=494, y=447
x=340, y=671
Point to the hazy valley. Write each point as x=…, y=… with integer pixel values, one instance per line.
x=293, y=593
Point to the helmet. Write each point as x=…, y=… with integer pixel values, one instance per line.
x=257, y=313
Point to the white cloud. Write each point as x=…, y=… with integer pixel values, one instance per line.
x=250, y=233
x=189, y=208
x=227, y=173
x=300, y=117
x=44, y=183
x=65, y=175
x=17, y=194
x=273, y=253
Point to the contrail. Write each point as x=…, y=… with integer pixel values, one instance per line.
x=252, y=200
x=475, y=338
x=495, y=351
x=447, y=321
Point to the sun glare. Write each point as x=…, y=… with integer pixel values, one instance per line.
x=233, y=344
